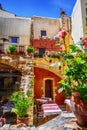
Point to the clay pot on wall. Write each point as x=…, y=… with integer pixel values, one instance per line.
x=79, y=108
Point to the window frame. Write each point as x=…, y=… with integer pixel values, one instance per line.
x=14, y=39
x=43, y=33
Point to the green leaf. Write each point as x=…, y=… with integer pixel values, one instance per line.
x=60, y=90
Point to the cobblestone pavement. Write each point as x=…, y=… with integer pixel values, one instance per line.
x=65, y=121
x=57, y=123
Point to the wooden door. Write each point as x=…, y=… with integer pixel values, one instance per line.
x=41, y=52
x=49, y=88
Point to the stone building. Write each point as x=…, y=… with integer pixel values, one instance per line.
x=16, y=71
x=14, y=30
x=79, y=20
x=39, y=32
x=44, y=31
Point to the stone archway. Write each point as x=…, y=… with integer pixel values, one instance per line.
x=9, y=80
x=24, y=65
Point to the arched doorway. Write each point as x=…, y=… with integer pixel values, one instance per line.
x=49, y=88
x=9, y=80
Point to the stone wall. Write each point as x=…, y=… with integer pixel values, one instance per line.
x=50, y=25
x=16, y=27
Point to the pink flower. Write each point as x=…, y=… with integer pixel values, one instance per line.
x=62, y=33
x=84, y=42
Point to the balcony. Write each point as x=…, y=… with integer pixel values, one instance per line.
x=20, y=50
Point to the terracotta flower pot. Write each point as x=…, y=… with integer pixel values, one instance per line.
x=79, y=108
x=23, y=120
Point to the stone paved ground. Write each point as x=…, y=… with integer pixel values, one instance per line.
x=57, y=123
x=66, y=121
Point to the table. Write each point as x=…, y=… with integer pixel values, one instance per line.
x=51, y=109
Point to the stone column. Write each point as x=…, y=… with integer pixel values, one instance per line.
x=27, y=82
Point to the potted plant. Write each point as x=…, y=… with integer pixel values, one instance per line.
x=11, y=49
x=30, y=49
x=21, y=105
x=74, y=83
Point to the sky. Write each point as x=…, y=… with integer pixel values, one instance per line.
x=43, y=8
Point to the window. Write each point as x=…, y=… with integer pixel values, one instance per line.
x=86, y=21
x=14, y=39
x=86, y=11
x=43, y=33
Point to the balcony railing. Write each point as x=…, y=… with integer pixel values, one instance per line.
x=20, y=49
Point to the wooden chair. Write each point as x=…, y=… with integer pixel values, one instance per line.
x=39, y=119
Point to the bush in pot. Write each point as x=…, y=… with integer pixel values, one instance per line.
x=11, y=49
x=30, y=49
x=75, y=80
x=21, y=105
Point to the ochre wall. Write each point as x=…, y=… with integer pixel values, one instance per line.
x=40, y=74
